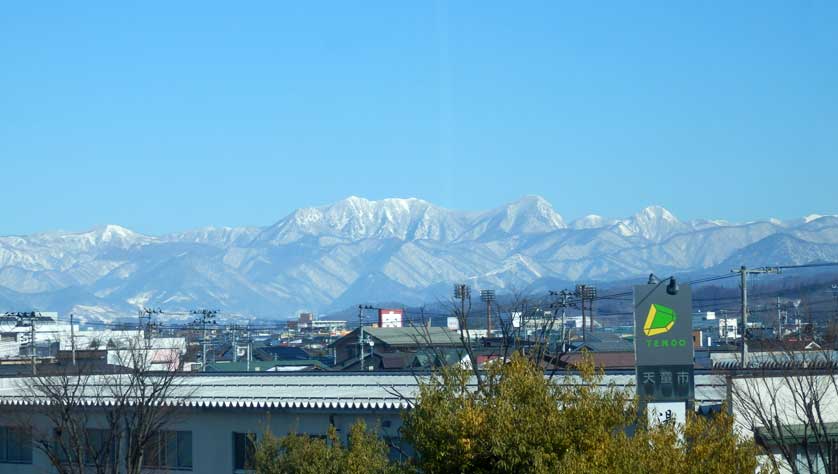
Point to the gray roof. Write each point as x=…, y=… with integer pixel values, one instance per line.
x=414, y=335
x=313, y=391
x=261, y=365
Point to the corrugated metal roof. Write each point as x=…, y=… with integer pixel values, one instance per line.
x=328, y=391
x=414, y=335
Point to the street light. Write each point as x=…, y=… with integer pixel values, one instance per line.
x=672, y=287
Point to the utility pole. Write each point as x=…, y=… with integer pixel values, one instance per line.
x=146, y=313
x=580, y=292
x=32, y=348
x=462, y=292
x=563, y=303
x=361, y=334
x=779, y=320
x=249, y=346
x=25, y=319
x=361, y=339
x=488, y=297
x=206, y=317
x=28, y=319
x=743, y=286
x=586, y=292
x=72, y=339
x=234, y=328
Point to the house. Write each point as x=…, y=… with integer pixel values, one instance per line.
x=390, y=347
x=280, y=353
x=601, y=360
x=603, y=342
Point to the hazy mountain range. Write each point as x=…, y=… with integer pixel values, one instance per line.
x=356, y=250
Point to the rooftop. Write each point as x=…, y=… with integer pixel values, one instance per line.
x=413, y=335
x=262, y=365
x=383, y=391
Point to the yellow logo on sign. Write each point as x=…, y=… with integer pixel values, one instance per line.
x=659, y=320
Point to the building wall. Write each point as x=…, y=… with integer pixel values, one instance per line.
x=212, y=431
x=779, y=398
x=347, y=347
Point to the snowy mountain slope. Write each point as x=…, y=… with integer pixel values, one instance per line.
x=591, y=221
x=389, y=250
x=654, y=223
x=782, y=249
x=527, y=216
x=216, y=236
x=356, y=218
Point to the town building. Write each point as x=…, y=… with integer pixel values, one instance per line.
x=215, y=413
x=395, y=348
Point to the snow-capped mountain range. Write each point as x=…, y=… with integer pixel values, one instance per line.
x=357, y=250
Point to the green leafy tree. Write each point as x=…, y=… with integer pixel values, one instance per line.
x=364, y=452
x=703, y=445
x=519, y=421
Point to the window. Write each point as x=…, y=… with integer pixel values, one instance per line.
x=15, y=445
x=807, y=455
x=169, y=450
x=398, y=448
x=244, y=448
x=99, y=447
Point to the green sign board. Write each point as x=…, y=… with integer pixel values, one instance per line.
x=663, y=342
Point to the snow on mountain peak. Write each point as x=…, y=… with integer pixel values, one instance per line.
x=653, y=223
x=216, y=236
x=356, y=218
x=528, y=215
x=109, y=232
x=656, y=212
x=591, y=221
x=537, y=213
x=320, y=256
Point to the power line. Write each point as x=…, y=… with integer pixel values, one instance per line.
x=206, y=318
x=809, y=265
x=29, y=319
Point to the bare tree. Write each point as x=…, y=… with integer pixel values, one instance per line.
x=527, y=327
x=790, y=403
x=104, y=421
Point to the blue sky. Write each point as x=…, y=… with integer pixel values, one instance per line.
x=163, y=116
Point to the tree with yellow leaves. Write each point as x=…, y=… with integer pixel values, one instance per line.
x=365, y=453
x=519, y=421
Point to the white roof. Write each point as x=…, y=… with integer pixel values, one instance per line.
x=310, y=391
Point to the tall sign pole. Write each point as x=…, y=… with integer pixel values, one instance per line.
x=664, y=348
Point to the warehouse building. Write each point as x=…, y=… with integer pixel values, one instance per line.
x=216, y=413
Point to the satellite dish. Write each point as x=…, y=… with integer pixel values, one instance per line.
x=796, y=303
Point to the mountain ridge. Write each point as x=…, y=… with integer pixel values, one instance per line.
x=407, y=248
